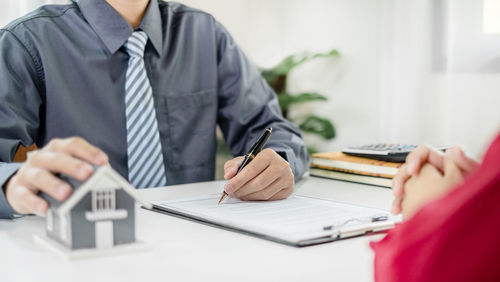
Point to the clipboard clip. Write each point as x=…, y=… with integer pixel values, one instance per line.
x=363, y=225
x=370, y=219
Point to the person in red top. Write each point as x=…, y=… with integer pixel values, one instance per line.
x=451, y=227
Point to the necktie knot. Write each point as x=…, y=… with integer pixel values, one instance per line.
x=136, y=43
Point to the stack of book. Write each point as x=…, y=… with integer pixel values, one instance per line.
x=337, y=165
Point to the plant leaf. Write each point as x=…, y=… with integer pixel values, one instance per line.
x=332, y=53
x=270, y=76
x=319, y=126
x=311, y=150
x=285, y=66
x=290, y=62
x=285, y=99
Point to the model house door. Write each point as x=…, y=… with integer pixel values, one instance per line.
x=104, y=234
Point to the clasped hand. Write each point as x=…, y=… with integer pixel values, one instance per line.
x=426, y=175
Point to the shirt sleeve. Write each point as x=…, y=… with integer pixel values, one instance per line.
x=20, y=105
x=454, y=238
x=247, y=106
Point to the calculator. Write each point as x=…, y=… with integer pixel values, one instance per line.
x=388, y=152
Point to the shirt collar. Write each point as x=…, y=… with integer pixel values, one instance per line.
x=151, y=24
x=114, y=30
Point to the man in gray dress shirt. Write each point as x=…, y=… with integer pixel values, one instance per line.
x=63, y=73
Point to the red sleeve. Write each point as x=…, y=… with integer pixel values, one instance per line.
x=454, y=238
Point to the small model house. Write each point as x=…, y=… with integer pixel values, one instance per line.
x=100, y=213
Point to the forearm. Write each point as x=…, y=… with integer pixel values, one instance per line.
x=247, y=106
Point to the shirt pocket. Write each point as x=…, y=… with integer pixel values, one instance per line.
x=192, y=119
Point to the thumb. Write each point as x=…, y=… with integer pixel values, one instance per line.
x=232, y=166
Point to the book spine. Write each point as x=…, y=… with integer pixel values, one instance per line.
x=363, y=179
x=353, y=171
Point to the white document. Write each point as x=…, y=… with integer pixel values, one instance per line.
x=297, y=220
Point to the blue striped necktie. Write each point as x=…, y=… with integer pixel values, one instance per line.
x=145, y=159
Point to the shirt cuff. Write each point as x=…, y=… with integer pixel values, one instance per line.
x=290, y=157
x=6, y=172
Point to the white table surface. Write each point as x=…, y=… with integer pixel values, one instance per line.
x=183, y=250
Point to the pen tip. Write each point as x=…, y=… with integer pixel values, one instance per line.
x=224, y=195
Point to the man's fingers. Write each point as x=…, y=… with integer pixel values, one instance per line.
x=61, y=163
x=267, y=193
x=73, y=157
x=254, y=168
x=421, y=155
x=43, y=180
x=29, y=202
x=231, y=167
x=262, y=181
x=283, y=194
x=79, y=148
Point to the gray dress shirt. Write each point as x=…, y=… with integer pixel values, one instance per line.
x=62, y=74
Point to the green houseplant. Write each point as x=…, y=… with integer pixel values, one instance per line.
x=277, y=77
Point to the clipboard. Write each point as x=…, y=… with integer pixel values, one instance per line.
x=381, y=220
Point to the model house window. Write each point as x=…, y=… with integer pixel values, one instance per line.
x=50, y=221
x=63, y=228
x=103, y=200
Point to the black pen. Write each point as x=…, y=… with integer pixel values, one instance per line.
x=256, y=148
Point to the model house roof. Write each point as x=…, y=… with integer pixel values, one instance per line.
x=103, y=177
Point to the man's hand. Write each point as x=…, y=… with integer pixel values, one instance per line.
x=426, y=155
x=430, y=184
x=267, y=177
x=72, y=157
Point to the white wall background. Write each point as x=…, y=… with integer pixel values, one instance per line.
x=270, y=30
x=418, y=71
